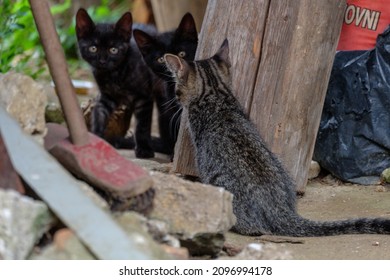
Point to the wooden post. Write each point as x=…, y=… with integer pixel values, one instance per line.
x=282, y=53
x=168, y=13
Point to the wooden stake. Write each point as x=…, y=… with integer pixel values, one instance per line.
x=282, y=53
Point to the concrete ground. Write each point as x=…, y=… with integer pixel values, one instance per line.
x=331, y=200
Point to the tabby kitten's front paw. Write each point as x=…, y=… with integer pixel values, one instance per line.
x=144, y=153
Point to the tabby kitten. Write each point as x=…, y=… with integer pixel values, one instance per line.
x=183, y=42
x=231, y=154
x=124, y=80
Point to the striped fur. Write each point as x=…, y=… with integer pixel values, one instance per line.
x=231, y=154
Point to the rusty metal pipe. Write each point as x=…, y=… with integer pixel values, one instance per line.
x=55, y=58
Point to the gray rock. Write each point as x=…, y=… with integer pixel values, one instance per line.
x=66, y=246
x=135, y=226
x=385, y=176
x=160, y=232
x=314, y=170
x=23, y=221
x=25, y=100
x=197, y=214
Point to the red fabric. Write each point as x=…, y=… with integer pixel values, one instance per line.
x=363, y=21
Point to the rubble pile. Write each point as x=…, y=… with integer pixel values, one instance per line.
x=188, y=219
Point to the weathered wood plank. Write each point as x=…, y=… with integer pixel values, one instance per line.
x=242, y=22
x=293, y=78
x=282, y=52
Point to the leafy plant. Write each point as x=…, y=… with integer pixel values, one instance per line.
x=12, y=24
x=20, y=47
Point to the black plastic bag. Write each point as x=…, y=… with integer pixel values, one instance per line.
x=353, y=141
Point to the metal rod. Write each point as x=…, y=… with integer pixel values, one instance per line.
x=59, y=71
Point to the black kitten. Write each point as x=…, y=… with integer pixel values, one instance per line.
x=123, y=78
x=183, y=42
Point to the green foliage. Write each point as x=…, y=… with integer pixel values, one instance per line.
x=13, y=40
x=20, y=47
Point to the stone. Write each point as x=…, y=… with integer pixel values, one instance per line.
x=25, y=100
x=314, y=170
x=53, y=114
x=385, y=176
x=23, y=221
x=380, y=188
x=160, y=232
x=52, y=97
x=135, y=226
x=197, y=214
x=66, y=246
x=232, y=249
x=184, y=205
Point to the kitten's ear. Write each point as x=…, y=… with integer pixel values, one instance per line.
x=84, y=24
x=144, y=40
x=187, y=28
x=223, y=53
x=179, y=67
x=124, y=25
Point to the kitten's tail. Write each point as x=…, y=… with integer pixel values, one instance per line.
x=305, y=227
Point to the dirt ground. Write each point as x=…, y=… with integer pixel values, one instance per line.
x=332, y=200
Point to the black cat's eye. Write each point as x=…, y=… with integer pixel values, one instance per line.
x=92, y=49
x=182, y=54
x=160, y=60
x=114, y=50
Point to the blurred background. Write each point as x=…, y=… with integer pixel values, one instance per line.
x=20, y=49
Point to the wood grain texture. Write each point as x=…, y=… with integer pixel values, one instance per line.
x=282, y=53
x=292, y=81
x=242, y=22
